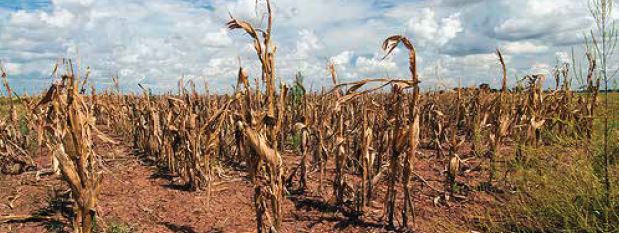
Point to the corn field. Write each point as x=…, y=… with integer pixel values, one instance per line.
x=359, y=142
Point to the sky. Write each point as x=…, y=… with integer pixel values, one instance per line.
x=158, y=42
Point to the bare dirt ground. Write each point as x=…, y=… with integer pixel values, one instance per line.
x=145, y=198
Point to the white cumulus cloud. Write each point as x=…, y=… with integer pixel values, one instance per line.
x=524, y=47
x=157, y=42
x=432, y=30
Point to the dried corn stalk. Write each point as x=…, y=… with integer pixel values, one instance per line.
x=267, y=153
x=71, y=128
